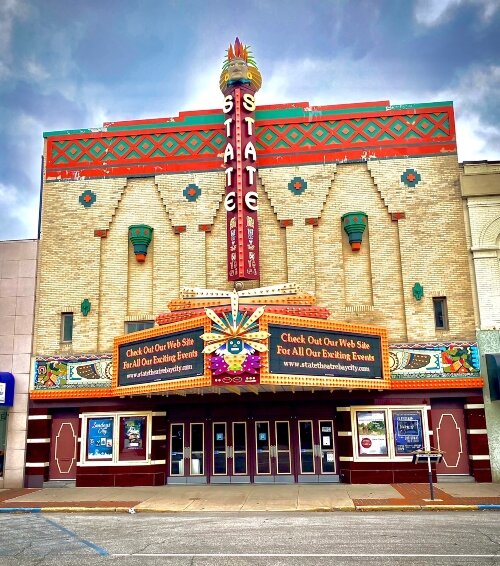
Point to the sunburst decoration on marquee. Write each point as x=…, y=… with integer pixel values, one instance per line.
x=234, y=340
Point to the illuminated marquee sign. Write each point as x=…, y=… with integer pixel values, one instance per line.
x=325, y=353
x=304, y=351
x=160, y=358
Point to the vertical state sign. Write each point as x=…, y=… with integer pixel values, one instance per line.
x=240, y=203
x=240, y=80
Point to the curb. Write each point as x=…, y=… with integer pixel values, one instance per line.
x=20, y=509
x=345, y=509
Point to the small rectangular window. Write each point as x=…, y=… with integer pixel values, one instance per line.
x=440, y=313
x=138, y=325
x=67, y=327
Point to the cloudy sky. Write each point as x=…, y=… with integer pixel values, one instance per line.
x=69, y=64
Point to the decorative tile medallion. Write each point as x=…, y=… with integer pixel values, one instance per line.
x=418, y=291
x=85, y=307
x=192, y=192
x=297, y=185
x=411, y=178
x=87, y=198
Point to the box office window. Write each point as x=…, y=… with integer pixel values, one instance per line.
x=116, y=438
x=383, y=432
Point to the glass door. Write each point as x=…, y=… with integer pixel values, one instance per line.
x=262, y=449
x=197, y=453
x=239, y=451
x=306, y=448
x=229, y=453
x=187, y=453
x=326, y=448
x=219, y=449
x=273, y=454
x=283, y=452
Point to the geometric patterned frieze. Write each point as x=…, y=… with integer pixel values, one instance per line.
x=327, y=135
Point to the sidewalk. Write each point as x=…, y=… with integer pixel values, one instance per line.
x=251, y=498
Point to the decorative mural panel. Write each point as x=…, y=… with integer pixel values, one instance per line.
x=195, y=140
x=434, y=361
x=72, y=372
x=411, y=366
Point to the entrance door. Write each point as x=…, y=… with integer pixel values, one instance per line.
x=187, y=453
x=450, y=437
x=63, y=447
x=273, y=453
x=230, y=462
x=316, y=453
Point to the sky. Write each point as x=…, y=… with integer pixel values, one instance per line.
x=70, y=64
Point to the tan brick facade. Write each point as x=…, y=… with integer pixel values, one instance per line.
x=372, y=286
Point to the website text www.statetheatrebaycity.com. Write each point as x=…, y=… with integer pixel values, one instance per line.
x=160, y=371
x=321, y=365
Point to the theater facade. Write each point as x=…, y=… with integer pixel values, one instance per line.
x=255, y=294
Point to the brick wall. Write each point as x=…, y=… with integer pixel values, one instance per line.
x=372, y=286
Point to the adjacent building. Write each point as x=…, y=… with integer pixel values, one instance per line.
x=480, y=182
x=17, y=297
x=274, y=293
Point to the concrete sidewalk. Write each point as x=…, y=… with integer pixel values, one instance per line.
x=251, y=498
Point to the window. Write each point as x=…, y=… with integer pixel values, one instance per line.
x=138, y=325
x=3, y=438
x=67, y=327
x=392, y=433
x=440, y=313
x=115, y=438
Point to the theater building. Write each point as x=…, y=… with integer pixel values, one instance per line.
x=255, y=294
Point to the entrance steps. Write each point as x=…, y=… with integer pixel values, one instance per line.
x=454, y=478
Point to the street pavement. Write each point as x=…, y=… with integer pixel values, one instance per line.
x=254, y=498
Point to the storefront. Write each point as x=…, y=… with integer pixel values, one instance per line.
x=6, y=401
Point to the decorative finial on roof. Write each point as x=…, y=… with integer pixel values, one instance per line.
x=239, y=67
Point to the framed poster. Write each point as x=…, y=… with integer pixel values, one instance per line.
x=100, y=438
x=372, y=433
x=132, y=438
x=408, y=435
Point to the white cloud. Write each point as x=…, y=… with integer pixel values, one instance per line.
x=22, y=219
x=10, y=10
x=35, y=71
x=435, y=12
x=478, y=133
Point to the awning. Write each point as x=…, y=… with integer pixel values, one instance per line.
x=6, y=389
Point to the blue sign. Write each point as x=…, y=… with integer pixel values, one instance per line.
x=100, y=439
x=408, y=431
x=6, y=389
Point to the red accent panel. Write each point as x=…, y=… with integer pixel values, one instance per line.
x=398, y=216
x=63, y=448
x=312, y=221
x=101, y=233
x=179, y=229
x=205, y=228
x=285, y=223
x=450, y=437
